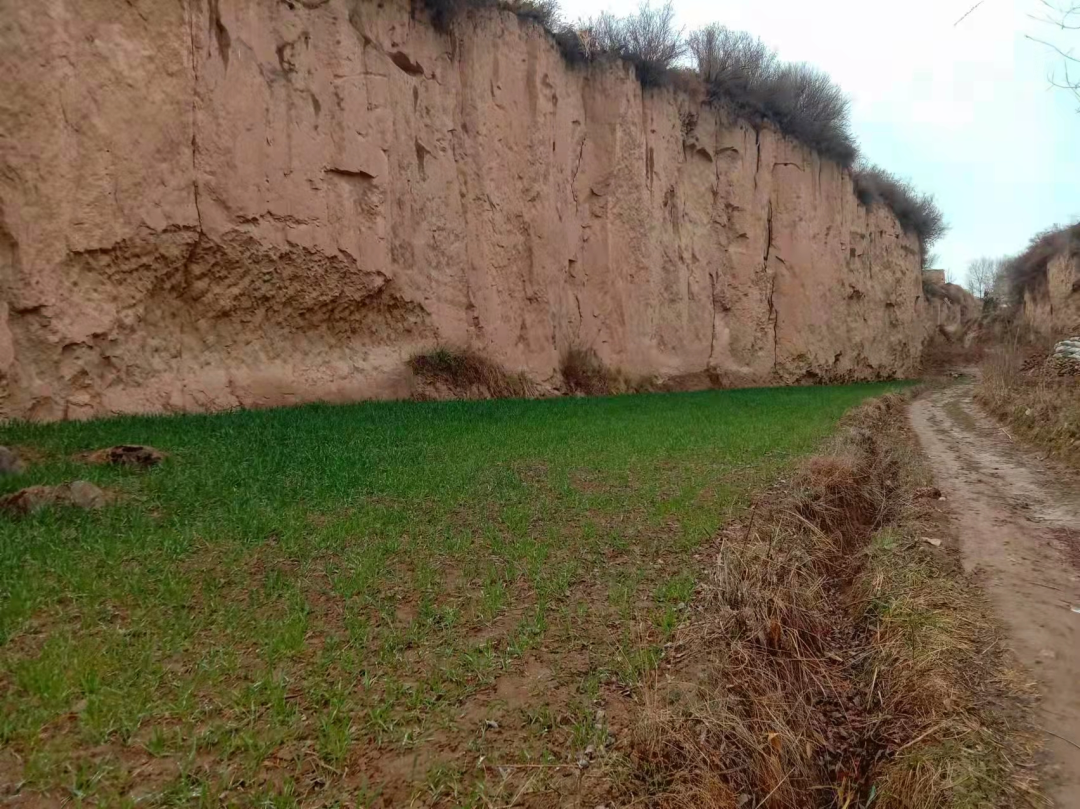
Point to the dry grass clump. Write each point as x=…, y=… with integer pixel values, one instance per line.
x=833, y=659
x=917, y=213
x=466, y=374
x=799, y=99
x=585, y=374
x=1037, y=399
x=1028, y=270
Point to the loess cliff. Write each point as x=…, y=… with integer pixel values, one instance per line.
x=208, y=204
x=1051, y=304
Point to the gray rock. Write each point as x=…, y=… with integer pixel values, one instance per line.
x=9, y=462
x=85, y=495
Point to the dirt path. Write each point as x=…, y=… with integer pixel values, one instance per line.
x=1019, y=523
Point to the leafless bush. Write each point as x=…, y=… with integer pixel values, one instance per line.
x=917, y=213
x=732, y=60
x=1028, y=270
x=648, y=39
x=800, y=100
x=806, y=103
x=466, y=374
x=544, y=12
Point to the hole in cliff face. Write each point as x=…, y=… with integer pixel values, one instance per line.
x=352, y=174
x=406, y=64
x=852, y=252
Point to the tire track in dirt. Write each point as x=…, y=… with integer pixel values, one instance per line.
x=1019, y=528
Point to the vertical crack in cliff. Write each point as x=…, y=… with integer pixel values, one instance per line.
x=757, y=147
x=194, y=120
x=773, y=320
x=712, y=339
x=577, y=166
x=459, y=151
x=770, y=277
x=768, y=237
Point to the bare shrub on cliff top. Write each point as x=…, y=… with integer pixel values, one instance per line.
x=1028, y=270
x=648, y=40
x=917, y=213
x=544, y=12
x=800, y=100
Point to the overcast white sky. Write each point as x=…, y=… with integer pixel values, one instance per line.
x=965, y=111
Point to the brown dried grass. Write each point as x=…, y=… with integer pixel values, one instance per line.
x=463, y=373
x=1037, y=400
x=832, y=658
x=585, y=374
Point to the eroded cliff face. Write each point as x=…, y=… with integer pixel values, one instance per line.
x=216, y=203
x=950, y=311
x=1052, y=306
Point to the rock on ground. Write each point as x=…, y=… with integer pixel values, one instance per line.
x=9, y=462
x=78, y=493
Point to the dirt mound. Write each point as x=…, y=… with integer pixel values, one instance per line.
x=78, y=494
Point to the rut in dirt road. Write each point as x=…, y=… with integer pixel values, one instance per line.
x=1019, y=527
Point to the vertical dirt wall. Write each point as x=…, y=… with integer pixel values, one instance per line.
x=1052, y=304
x=216, y=203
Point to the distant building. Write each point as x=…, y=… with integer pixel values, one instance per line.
x=934, y=276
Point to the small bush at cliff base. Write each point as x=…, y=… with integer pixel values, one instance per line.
x=469, y=374
x=917, y=213
x=584, y=373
